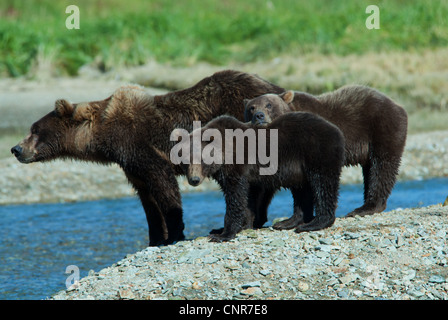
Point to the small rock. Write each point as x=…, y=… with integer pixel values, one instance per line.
x=351, y=235
x=126, y=294
x=277, y=243
x=265, y=272
x=232, y=265
x=399, y=241
x=196, y=285
x=252, y=291
x=326, y=247
x=409, y=275
x=343, y=294
x=303, y=286
x=358, y=263
x=348, y=278
x=251, y=284
x=416, y=293
x=74, y=286
x=322, y=254
x=210, y=260
x=326, y=241
x=436, y=279
x=250, y=233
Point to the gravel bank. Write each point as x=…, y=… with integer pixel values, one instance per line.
x=400, y=254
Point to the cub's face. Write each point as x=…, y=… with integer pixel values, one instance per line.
x=44, y=140
x=199, y=153
x=265, y=108
x=206, y=156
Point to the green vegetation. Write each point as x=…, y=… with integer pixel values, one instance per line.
x=127, y=33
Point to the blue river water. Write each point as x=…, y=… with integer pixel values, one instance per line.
x=39, y=241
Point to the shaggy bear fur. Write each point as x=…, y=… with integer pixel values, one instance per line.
x=310, y=159
x=132, y=128
x=373, y=125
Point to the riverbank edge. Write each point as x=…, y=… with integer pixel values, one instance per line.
x=397, y=255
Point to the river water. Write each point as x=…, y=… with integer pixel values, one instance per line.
x=39, y=241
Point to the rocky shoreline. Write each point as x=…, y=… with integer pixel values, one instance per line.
x=397, y=255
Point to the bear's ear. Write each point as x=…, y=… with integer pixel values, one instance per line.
x=246, y=101
x=287, y=96
x=83, y=111
x=63, y=108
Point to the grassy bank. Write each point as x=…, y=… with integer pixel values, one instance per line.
x=126, y=33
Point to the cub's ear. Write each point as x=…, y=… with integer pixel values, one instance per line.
x=246, y=101
x=287, y=96
x=63, y=108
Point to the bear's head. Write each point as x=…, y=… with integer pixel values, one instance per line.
x=203, y=152
x=64, y=132
x=199, y=153
x=263, y=109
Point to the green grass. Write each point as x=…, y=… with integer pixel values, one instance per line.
x=128, y=33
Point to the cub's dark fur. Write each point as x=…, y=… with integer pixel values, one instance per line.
x=374, y=128
x=310, y=159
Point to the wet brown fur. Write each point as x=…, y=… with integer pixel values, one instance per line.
x=132, y=128
x=374, y=128
x=310, y=160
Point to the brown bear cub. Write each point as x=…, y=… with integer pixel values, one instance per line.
x=373, y=125
x=307, y=154
x=132, y=128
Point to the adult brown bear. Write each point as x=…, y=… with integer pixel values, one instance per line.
x=374, y=128
x=306, y=155
x=132, y=128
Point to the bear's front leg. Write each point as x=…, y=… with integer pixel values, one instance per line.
x=238, y=217
x=160, y=196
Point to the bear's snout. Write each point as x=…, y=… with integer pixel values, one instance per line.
x=258, y=118
x=17, y=151
x=23, y=154
x=194, y=181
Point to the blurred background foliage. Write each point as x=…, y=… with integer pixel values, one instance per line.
x=129, y=33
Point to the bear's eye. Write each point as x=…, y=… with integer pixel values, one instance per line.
x=34, y=130
x=252, y=108
x=268, y=106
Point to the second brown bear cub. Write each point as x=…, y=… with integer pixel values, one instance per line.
x=374, y=129
x=310, y=154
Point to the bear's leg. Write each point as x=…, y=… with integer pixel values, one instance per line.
x=158, y=232
x=303, y=208
x=238, y=216
x=259, y=199
x=163, y=209
x=380, y=175
x=325, y=189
